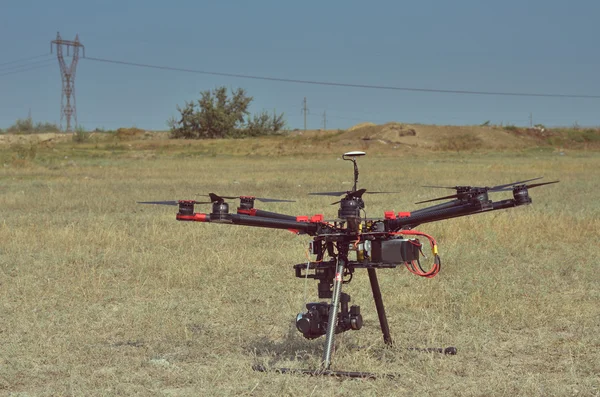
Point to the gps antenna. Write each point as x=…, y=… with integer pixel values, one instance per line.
x=351, y=156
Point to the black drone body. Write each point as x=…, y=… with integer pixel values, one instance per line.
x=350, y=242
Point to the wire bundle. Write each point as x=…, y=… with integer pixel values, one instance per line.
x=415, y=266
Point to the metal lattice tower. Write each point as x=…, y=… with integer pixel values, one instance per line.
x=67, y=73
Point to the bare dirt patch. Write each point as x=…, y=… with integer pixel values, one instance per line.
x=43, y=139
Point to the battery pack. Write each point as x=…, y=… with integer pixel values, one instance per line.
x=394, y=251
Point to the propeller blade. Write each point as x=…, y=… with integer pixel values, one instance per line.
x=349, y=192
x=439, y=198
x=529, y=186
x=328, y=193
x=214, y=198
x=159, y=202
x=272, y=200
x=540, y=184
x=501, y=187
x=357, y=193
x=171, y=202
x=441, y=187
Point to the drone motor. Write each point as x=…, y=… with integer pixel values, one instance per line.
x=246, y=202
x=220, y=212
x=350, y=207
x=186, y=207
x=521, y=195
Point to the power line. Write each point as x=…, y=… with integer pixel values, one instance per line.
x=350, y=85
x=6, y=69
x=25, y=70
x=24, y=59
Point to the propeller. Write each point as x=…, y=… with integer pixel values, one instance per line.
x=441, y=198
x=216, y=198
x=349, y=193
x=530, y=186
x=506, y=187
x=491, y=189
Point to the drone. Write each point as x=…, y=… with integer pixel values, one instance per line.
x=349, y=242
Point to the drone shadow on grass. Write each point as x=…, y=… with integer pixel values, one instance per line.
x=294, y=350
x=290, y=348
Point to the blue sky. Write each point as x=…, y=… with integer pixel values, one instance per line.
x=502, y=46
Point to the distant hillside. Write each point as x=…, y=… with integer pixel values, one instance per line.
x=390, y=138
x=455, y=138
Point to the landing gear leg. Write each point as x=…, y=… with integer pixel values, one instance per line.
x=333, y=311
x=385, y=329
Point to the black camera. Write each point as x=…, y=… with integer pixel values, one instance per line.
x=313, y=323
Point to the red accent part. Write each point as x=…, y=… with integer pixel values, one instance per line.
x=251, y=212
x=247, y=197
x=187, y=201
x=389, y=215
x=316, y=218
x=403, y=214
x=196, y=217
x=294, y=231
x=302, y=218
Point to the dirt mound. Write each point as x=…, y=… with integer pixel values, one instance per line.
x=394, y=135
x=397, y=130
x=390, y=133
x=361, y=125
x=129, y=133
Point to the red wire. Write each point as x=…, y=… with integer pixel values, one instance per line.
x=413, y=267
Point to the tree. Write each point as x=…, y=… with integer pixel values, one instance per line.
x=216, y=115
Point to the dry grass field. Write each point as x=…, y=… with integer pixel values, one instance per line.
x=100, y=296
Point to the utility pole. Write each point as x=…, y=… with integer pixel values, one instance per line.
x=530, y=120
x=324, y=120
x=305, y=111
x=67, y=74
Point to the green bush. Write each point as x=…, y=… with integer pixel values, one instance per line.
x=81, y=135
x=218, y=115
x=26, y=126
